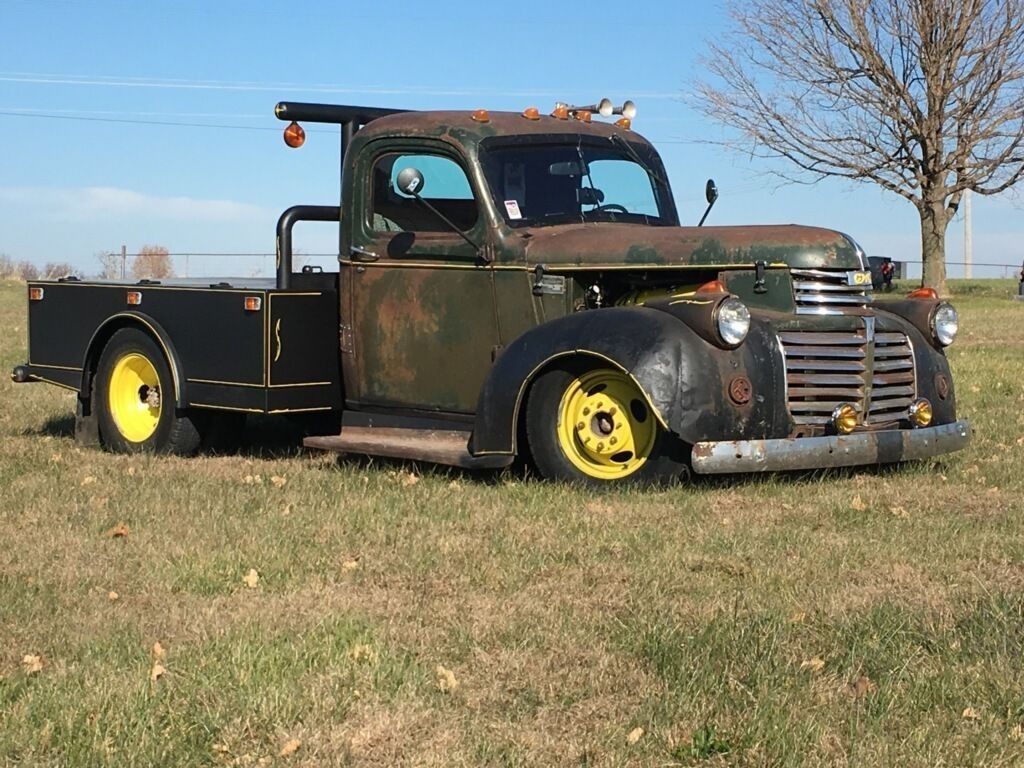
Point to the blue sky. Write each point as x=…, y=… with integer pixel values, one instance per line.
x=72, y=187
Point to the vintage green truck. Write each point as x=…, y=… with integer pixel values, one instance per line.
x=517, y=285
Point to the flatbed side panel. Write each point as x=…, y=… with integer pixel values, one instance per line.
x=303, y=351
x=215, y=338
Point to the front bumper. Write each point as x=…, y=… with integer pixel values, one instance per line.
x=885, y=447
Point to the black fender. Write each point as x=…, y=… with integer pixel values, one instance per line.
x=142, y=321
x=684, y=378
x=934, y=380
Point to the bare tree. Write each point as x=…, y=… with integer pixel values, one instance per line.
x=110, y=265
x=8, y=268
x=152, y=262
x=57, y=269
x=924, y=98
x=27, y=270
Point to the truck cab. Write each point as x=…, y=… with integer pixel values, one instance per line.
x=520, y=285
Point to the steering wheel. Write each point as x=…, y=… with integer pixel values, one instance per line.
x=612, y=207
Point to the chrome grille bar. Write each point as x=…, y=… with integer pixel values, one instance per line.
x=829, y=292
x=893, y=383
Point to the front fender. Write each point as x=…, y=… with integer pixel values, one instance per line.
x=684, y=378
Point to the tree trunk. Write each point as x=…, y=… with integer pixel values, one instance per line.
x=934, y=220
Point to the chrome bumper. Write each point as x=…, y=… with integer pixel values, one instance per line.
x=885, y=447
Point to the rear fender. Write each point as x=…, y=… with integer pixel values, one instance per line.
x=684, y=378
x=148, y=325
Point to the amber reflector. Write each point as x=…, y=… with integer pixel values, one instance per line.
x=923, y=293
x=715, y=286
x=134, y=298
x=294, y=135
x=253, y=303
x=531, y=113
x=481, y=116
x=624, y=122
x=35, y=294
x=561, y=112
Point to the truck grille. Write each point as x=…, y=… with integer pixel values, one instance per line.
x=830, y=291
x=892, y=381
x=825, y=369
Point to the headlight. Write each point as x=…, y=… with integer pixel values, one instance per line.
x=945, y=323
x=733, y=319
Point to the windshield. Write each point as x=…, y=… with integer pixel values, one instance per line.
x=560, y=181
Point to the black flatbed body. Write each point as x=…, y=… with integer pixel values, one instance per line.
x=278, y=358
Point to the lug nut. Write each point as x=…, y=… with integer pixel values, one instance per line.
x=600, y=446
x=614, y=440
x=586, y=411
x=612, y=411
x=580, y=426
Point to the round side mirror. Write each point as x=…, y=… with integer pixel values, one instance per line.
x=410, y=181
x=711, y=191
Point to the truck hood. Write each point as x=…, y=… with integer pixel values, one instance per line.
x=612, y=244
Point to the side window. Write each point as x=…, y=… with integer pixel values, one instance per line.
x=445, y=186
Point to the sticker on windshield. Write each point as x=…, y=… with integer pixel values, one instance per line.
x=512, y=208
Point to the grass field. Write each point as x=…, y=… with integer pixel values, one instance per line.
x=411, y=616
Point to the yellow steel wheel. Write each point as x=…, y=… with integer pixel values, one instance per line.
x=134, y=397
x=604, y=425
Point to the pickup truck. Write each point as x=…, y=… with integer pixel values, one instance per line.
x=517, y=285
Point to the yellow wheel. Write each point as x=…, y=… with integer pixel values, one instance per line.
x=595, y=425
x=134, y=397
x=604, y=425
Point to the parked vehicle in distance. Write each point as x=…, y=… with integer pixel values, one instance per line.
x=517, y=285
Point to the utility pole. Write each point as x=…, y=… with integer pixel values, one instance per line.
x=124, y=258
x=968, y=245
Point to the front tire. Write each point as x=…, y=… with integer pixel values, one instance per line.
x=594, y=425
x=134, y=399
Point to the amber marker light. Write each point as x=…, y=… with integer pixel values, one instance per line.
x=714, y=286
x=35, y=293
x=561, y=111
x=921, y=412
x=531, y=113
x=583, y=116
x=133, y=298
x=294, y=135
x=844, y=418
x=923, y=293
x=625, y=123
x=253, y=303
x=481, y=116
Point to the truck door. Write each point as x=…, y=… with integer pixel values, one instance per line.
x=420, y=317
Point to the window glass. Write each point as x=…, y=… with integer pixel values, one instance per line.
x=445, y=186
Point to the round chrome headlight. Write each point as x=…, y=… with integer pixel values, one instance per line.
x=945, y=323
x=733, y=320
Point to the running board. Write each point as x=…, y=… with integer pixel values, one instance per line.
x=448, y=447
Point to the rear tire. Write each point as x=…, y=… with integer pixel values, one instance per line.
x=134, y=399
x=593, y=425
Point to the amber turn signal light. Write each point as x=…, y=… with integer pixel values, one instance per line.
x=531, y=113
x=921, y=412
x=133, y=298
x=714, y=286
x=294, y=135
x=253, y=303
x=844, y=418
x=35, y=293
x=923, y=293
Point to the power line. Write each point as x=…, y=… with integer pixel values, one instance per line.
x=178, y=124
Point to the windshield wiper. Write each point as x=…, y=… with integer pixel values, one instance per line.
x=633, y=153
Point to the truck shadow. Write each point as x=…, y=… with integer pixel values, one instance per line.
x=55, y=426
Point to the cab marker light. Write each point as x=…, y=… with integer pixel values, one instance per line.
x=531, y=113
x=253, y=303
x=481, y=116
x=134, y=298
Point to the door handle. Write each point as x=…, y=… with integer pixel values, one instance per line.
x=361, y=254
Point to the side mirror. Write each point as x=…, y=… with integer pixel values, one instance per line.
x=711, y=194
x=711, y=191
x=410, y=181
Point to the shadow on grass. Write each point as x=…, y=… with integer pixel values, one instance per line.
x=55, y=426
